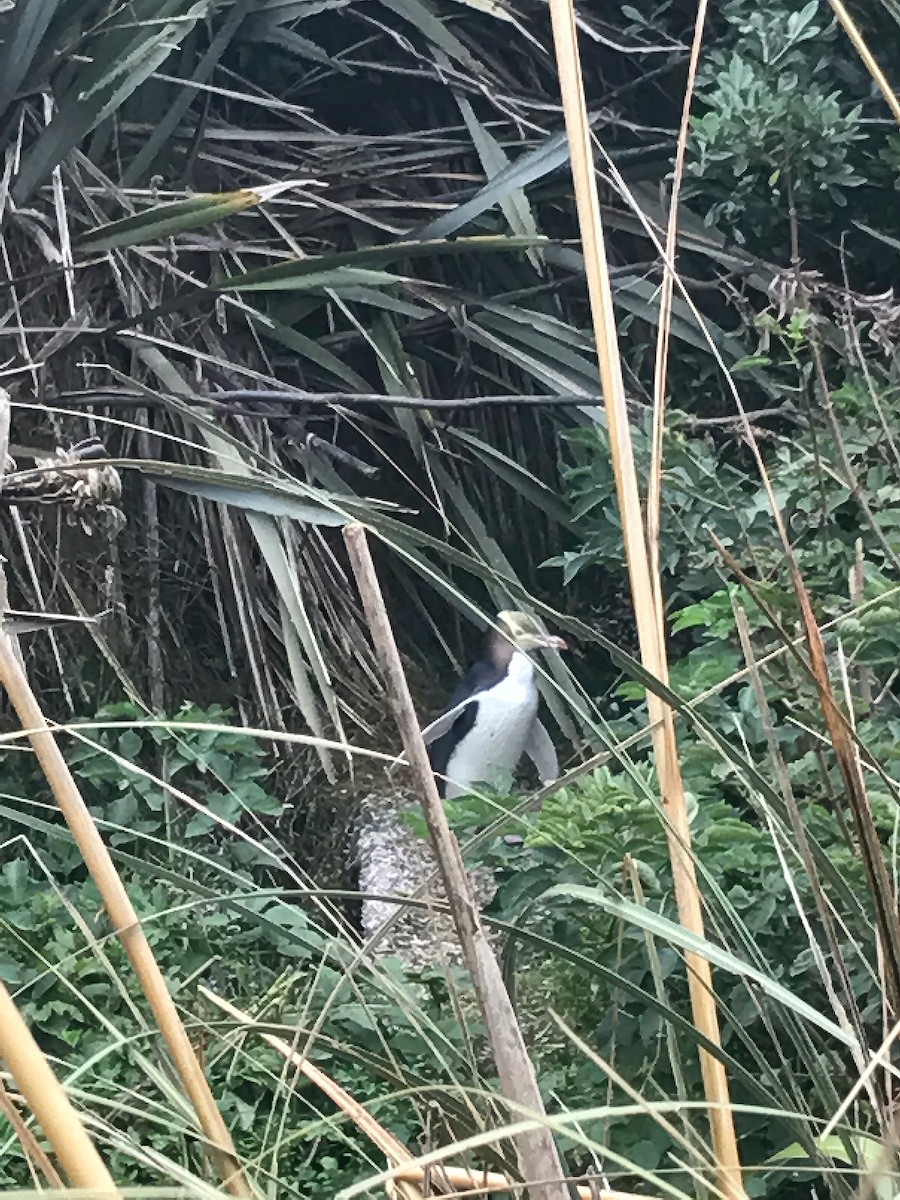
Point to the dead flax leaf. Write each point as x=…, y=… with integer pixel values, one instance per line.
x=841, y=737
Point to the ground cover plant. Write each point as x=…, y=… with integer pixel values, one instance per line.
x=269, y=267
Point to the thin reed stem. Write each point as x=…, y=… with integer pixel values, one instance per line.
x=121, y=912
x=538, y=1157
x=646, y=594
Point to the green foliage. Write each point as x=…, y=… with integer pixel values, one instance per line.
x=833, y=475
x=606, y=830
x=703, y=491
x=778, y=125
x=714, y=491
x=207, y=886
x=116, y=125
x=70, y=974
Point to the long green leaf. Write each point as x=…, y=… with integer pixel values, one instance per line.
x=420, y=14
x=526, y=169
x=323, y=265
x=165, y=220
x=140, y=166
x=225, y=487
x=306, y=348
x=121, y=62
x=337, y=279
x=514, y=203
x=23, y=33
x=677, y=935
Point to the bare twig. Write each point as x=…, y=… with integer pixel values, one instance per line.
x=292, y=399
x=538, y=1157
x=851, y=479
x=466, y=1182
x=283, y=406
x=155, y=669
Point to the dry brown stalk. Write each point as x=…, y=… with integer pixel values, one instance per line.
x=862, y=49
x=47, y=1099
x=842, y=740
x=660, y=373
x=538, y=1157
x=33, y=1149
x=392, y=1149
x=456, y=1178
x=38, y=1160
x=646, y=594
x=121, y=912
x=466, y=1182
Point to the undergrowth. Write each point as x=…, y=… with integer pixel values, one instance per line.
x=402, y=264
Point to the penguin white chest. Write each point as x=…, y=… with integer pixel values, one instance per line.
x=496, y=742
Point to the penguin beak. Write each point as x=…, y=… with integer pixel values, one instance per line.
x=528, y=634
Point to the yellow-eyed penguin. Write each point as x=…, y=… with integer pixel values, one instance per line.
x=491, y=719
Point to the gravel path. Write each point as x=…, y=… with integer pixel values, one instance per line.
x=393, y=861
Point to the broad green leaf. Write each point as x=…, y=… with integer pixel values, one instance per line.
x=140, y=166
x=514, y=204
x=751, y=362
x=526, y=169
x=121, y=61
x=306, y=347
x=420, y=14
x=23, y=33
x=253, y=493
x=336, y=280
x=834, y=1147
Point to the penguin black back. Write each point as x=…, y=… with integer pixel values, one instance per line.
x=484, y=674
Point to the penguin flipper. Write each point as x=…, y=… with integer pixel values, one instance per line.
x=542, y=752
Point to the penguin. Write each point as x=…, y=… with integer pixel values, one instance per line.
x=491, y=720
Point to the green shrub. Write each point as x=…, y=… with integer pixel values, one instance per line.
x=778, y=122
x=211, y=905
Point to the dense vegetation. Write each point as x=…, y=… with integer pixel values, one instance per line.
x=401, y=165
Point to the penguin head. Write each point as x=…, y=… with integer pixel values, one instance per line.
x=527, y=633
